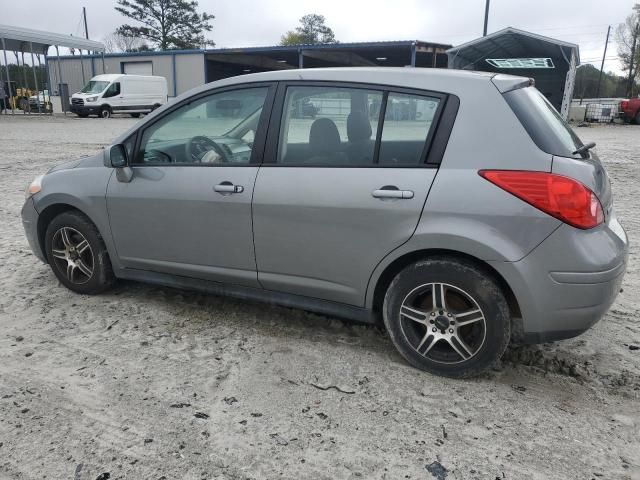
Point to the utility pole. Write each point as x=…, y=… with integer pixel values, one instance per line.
x=486, y=18
x=606, y=44
x=86, y=28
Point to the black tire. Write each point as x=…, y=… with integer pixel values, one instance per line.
x=135, y=115
x=105, y=112
x=637, y=118
x=464, y=283
x=96, y=258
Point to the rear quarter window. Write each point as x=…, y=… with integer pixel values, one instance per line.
x=543, y=123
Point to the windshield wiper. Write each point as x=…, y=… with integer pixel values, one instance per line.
x=584, y=148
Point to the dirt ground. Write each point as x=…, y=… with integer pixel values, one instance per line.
x=154, y=383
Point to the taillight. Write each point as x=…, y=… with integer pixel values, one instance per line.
x=561, y=197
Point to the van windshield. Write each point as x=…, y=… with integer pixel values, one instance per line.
x=543, y=123
x=94, y=87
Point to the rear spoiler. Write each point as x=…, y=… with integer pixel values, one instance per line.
x=506, y=83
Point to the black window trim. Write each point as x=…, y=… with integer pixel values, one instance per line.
x=260, y=136
x=438, y=135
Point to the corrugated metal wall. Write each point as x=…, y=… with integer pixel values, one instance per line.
x=189, y=68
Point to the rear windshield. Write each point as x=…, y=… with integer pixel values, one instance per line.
x=543, y=123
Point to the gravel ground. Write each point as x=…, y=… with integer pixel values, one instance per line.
x=149, y=383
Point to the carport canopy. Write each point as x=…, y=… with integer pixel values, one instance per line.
x=19, y=39
x=550, y=62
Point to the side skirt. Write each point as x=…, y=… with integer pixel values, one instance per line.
x=325, y=307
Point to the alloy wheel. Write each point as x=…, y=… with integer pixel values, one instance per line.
x=72, y=255
x=443, y=323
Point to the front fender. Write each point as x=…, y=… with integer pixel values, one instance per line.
x=83, y=189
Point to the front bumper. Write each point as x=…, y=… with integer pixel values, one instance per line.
x=85, y=109
x=568, y=282
x=30, y=224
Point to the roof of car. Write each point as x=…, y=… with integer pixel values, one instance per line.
x=434, y=79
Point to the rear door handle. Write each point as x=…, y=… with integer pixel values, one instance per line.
x=390, y=191
x=227, y=188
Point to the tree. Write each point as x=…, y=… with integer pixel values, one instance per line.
x=312, y=30
x=167, y=24
x=628, y=39
x=116, y=42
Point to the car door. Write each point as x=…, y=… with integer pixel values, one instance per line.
x=340, y=188
x=114, y=96
x=187, y=209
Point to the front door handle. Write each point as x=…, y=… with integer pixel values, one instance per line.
x=391, y=191
x=227, y=188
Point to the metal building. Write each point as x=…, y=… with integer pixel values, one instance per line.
x=551, y=63
x=185, y=69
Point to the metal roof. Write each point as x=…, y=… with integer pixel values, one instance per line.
x=283, y=48
x=510, y=43
x=19, y=39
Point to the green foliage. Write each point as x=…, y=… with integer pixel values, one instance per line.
x=312, y=30
x=167, y=24
x=586, y=86
x=23, y=76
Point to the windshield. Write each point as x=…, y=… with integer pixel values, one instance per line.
x=543, y=123
x=94, y=87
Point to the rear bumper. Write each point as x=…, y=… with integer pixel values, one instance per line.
x=85, y=109
x=568, y=282
x=30, y=224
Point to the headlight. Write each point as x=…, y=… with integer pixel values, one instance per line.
x=92, y=99
x=34, y=187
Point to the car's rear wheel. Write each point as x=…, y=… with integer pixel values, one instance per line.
x=105, y=112
x=447, y=316
x=77, y=254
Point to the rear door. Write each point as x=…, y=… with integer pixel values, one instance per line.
x=341, y=188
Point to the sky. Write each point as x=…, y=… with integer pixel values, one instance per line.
x=242, y=23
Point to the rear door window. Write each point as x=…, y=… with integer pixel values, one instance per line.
x=543, y=123
x=408, y=121
x=341, y=126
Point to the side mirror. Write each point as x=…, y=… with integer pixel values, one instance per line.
x=115, y=156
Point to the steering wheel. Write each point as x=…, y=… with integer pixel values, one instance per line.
x=197, y=147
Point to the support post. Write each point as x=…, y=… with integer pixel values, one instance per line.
x=173, y=73
x=486, y=18
x=60, y=79
x=84, y=80
x=300, y=59
x=6, y=66
x=35, y=78
x=104, y=70
x=24, y=80
x=413, y=54
x=606, y=43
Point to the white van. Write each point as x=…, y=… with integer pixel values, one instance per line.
x=108, y=94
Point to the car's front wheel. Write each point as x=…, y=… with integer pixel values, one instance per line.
x=447, y=316
x=77, y=254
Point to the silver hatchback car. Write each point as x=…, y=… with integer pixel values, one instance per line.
x=456, y=207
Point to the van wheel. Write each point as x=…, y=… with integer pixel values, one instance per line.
x=155, y=107
x=77, y=254
x=135, y=115
x=105, y=112
x=447, y=316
